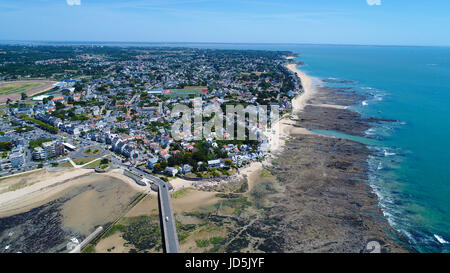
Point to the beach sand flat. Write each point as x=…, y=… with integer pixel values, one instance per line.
x=38, y=188
x=41, y=189
x=44, y=216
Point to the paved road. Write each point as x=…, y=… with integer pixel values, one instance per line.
x=168, y=220
x=170, y=231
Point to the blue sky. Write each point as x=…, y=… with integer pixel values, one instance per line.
x=383, y=22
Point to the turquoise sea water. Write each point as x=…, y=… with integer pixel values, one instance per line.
x=410, y=171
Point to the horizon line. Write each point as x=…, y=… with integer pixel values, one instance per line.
x=217, y=43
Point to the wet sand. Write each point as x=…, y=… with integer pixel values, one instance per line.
x=22, y=193
x=193, y=200
x=113, y=244
x=36, y=189
x=72, y=205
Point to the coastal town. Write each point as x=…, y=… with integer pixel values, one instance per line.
x=245, y=128
x=114, y=106
x=103, y=151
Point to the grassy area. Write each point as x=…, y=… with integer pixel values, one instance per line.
x=189, y=90
x=208, y=235
x=265, y=173
x=19, y=87
x=236, y=204
x=24, y=128
x=210, y=228
x=84, y=160
x=51, y=92
x=98, y=163
x=143, y=232
x=213, y=173
x=38, y=142
x=66, y=164
x=130, y=174
x=94, y=164
x=117, y=227
x=202, y=243
x=216, y=242
x=104, y=166
x=89, y=249
x=41, y=124
x=180, y=193
x=92, y=151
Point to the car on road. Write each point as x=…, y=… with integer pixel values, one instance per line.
x=167, y=218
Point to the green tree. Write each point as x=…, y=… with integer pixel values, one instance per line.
x=6, y=145
x=104, y=161
x=157, y=167
x=78, y=87
x=163, y=164
x=59, y=105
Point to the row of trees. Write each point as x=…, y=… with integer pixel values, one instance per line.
x=41, y=124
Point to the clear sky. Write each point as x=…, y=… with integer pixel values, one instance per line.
x=383, y=22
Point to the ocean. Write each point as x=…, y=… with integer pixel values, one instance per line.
x=410, y=171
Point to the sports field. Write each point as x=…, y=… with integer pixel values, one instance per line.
x=13, y=90
x=195, y=90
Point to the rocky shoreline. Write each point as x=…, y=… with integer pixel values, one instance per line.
x=50, y=227
x=322, y=202
x=336, y=117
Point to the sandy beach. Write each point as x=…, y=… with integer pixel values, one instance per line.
x=22, y=193
x=41, y=211
x=36, y=189
x=284, y=128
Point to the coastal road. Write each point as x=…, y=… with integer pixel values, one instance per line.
x=168, y=220
x=170, y=231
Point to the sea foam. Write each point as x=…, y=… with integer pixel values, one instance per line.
x=440, y=239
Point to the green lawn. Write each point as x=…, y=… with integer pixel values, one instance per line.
x=18, y=87
x=90, y=151
x=185, y=91
x=84, y=160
